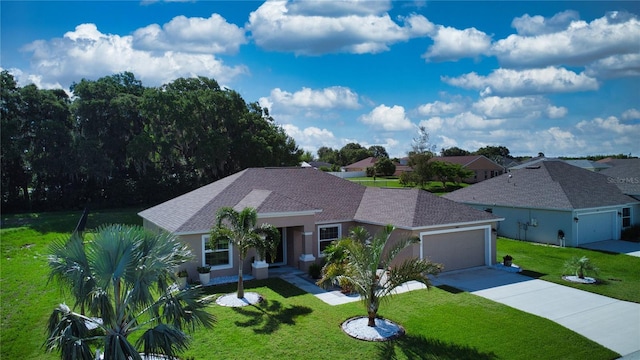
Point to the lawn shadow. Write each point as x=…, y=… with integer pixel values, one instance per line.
x=450, y=289
x=284, y=289
x=66, y=221
x=420, y=347
x=267, y=316
x=532, y=274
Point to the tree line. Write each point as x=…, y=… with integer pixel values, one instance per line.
x=118, y=143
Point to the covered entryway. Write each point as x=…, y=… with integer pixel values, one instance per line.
x=459, y=248
x=281, y=254
x=593, y=227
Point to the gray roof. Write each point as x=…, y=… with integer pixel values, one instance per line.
x=625, y=173
x=305, y=190
x=413, y=208
x=545, y=185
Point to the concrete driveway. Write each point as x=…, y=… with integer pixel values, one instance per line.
x=615, y=246
x=612, y=323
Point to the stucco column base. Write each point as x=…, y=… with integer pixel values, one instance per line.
x=305, y=261
x=260, y=270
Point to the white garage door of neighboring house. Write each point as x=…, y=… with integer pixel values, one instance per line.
x=457, y=249
x=596, y=227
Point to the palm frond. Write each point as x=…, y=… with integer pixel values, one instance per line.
x=163, y=339
x=117, y=347
x=68, y=333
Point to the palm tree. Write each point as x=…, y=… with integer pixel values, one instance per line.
x=239, y=229
x=372, y=271
x=580, y=266
x=123, y=281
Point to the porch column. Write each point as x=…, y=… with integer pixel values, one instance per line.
x=260, y=269
x=307, y=257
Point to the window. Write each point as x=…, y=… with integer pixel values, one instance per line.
x=218, y=257
x=326, y=234
x=626, y=217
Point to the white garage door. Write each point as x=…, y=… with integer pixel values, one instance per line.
x=596, y=227
x=456, y=250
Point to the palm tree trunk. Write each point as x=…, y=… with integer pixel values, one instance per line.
x=372, y=319
x=240, y=281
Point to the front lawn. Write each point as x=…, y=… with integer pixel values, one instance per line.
x=618, y=276
x=440, y=325
x=290, y=324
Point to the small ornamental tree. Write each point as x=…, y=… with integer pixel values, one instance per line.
x=239, y=229
x=365, y=263
x=580, y=266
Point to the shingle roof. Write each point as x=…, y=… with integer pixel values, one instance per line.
x=413, y=208
x=461, y=160
x=546, y=185
x=295, y=190
x=625, y=173
x=362, y=164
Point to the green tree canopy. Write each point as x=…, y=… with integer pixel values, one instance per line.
x=385, y=167
x=454, y=151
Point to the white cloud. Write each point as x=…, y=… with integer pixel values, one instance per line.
x=452, y=44
x=335, y=97
x=438, y=108
x=351, y=29
x=581, y=43
x=631, y=114
x=212, y=35
x=530, y=107
x=527, y=25
x=387, y=118
x=88, y=53
x=332, y=8
x=509, y=82
x=610, y=124
x=309, y=134
x=616, y=66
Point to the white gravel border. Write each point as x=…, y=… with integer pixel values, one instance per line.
x=575, y=279
x=383, y=331
x=231, y=300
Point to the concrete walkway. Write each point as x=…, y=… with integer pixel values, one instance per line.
x=612, y=323
x=615, y=246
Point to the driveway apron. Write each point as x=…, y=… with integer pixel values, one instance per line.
x=612, y=323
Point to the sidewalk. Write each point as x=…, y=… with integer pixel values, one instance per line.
x=609, y=322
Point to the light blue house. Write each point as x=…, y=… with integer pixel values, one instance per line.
x=554, y=202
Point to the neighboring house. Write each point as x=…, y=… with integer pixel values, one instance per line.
x=361, y=165
x=552, y=198
x=625, y=173
x=312, y=208
x=483, y=168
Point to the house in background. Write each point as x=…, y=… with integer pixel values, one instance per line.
x=625, y=173
x=483, y=168
x=360, y=166
x=551, y=200
x=312, y=208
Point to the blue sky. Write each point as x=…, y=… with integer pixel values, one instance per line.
x=562, y=78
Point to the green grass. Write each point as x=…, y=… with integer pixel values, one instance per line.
x=290, y=323
x=394, y=182
x=618, y=276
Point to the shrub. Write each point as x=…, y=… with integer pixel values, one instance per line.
x=315, y=271
x=580, y=266
x=631, y=234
